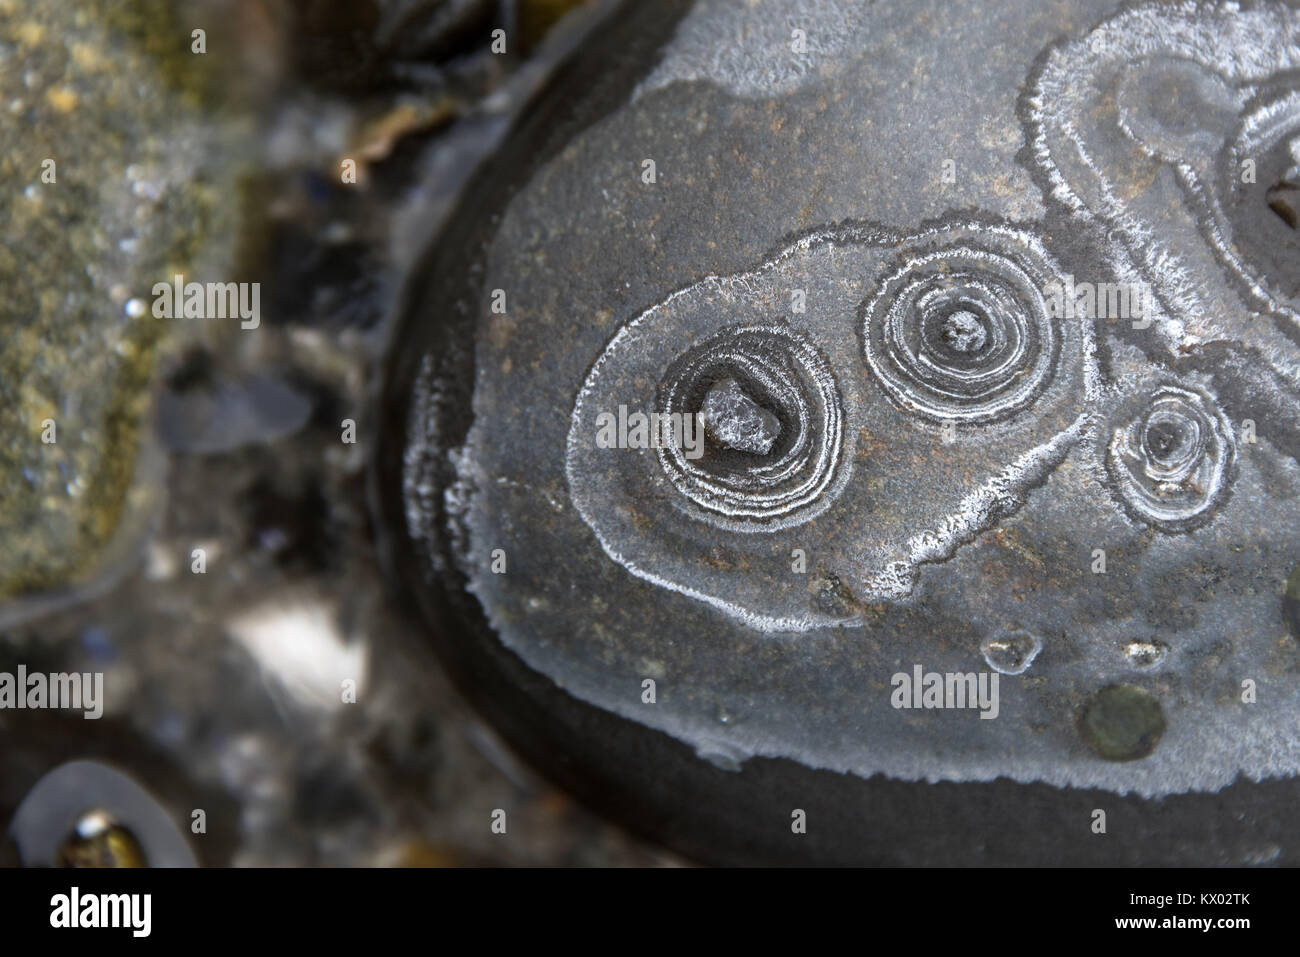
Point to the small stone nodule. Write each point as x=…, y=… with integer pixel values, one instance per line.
x=734, y=420
x=963, y=332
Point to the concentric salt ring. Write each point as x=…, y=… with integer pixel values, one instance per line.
x=963, y=334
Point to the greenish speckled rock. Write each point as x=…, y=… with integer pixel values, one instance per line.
x=109, y=184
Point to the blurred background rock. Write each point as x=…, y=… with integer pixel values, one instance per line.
x=194, y=526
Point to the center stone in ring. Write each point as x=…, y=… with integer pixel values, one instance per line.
x=964, y=332
x=734, y=420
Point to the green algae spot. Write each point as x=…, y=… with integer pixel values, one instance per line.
x=1122, y=723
